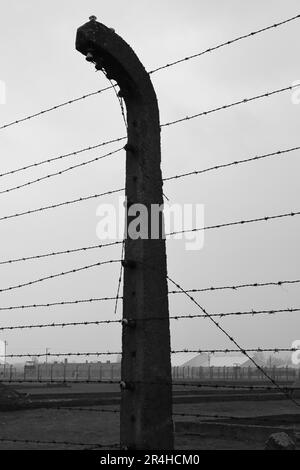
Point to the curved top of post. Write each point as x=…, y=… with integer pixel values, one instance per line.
x=111, y=53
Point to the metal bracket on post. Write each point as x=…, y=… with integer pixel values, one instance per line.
x=146, y=408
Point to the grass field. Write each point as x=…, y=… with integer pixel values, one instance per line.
x=92, y=427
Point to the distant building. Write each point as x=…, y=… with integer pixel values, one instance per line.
x=216, y=360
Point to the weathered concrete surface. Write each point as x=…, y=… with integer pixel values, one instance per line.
x=146, y=399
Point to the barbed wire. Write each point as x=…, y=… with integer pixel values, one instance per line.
x=60, y=157
x=227, y=43
x=231, y=105
x=62, y=252
x=61, y=172
x=60, y=325
x=64, y=273
x=107, y=322
x=235, y=163
x=55, y=304
x=180, y=351
x=171, y=178
x=187, y=118
x=236, y=387
x=239, y=286
x=230, y=314
x=240, y=222
x=53, y=108
x=68, y=354
x=228, y=351
x=168, y=65
x=98, y=410
x=201, y=415
x=230, y=337
x=61, y=204
x=53, y=442
x=63, y=381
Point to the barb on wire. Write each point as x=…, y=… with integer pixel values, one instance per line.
x=231, y=105
x=230, y=314
x=187, y=118
x=201, y=415
x=61, y=172
x=68, y=354
x=61, y=204
x=229, y=351
x=227, y=43
x=238, y=286
x=108, y=322
x=62, y=381
x=60, y=325
x=56, y=253
x=236, y=387
x=61, y=105
x=232, y=340
x=53, y=442
x=235, y=163
x=97, y=410
x=61, y=157
x=240, y=222
x=166, y=66
x=55, y=304
x=53, y=276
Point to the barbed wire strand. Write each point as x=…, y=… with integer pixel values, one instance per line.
x=235, y=163
x=60, y=157
x=53, y=442
x=187, y=118
x=231, y=339
x=230, y=314
x=61, y=204
x=240, y=222
x=98, y=410
x=227, y=43
x=168, y=65
x=108, y=322
x=171, y=178
x=231, y=105
x=55, y=304
x=63, y=252
x=61, y=172
x=53, y=108
x=229, y=351
x=60, y=325
x=68, y=354
x=180, y=351
x=64, y=273
x=239, y=286
x=236, y=387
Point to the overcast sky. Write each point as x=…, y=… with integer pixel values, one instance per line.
x=41, y=68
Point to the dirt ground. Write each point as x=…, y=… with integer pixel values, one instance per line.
x=91, y=428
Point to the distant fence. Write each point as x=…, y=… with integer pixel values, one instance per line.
x=283, y=374
x=112, y=371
